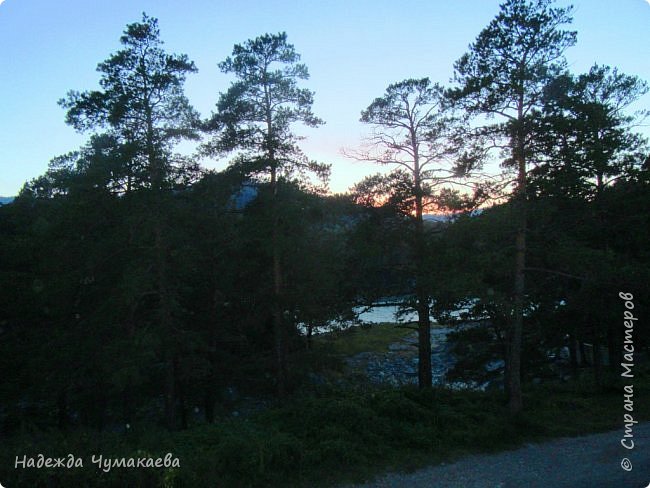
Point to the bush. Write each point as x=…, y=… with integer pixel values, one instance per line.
x=316, y=441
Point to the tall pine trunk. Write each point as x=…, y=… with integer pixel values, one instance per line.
x=424, y=321
x=515, y=402
x=166, y=323
x=279, y=334
x=157, y=176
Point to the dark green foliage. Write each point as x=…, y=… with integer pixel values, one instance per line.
x=254, y=118
x=574, y=279
x=586, y=133
x=140, y=291
x=77, y=272
x=413, y=134
x=521, y=49
x=143, y=106
x=503, y=75
x=255, y=115
x=322, y=441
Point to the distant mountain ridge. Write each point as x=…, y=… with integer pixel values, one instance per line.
x=6, y=200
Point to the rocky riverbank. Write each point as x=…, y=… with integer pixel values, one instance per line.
x=398, y=365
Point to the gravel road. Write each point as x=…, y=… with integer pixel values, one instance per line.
x=592, y=461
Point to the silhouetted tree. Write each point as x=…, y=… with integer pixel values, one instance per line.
x=586, y=132
x=143, y=107
x=503, y=76
x=255, y=117
x=586, y=135
x=413, y=133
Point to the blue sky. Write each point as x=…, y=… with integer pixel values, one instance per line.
x=353, y=49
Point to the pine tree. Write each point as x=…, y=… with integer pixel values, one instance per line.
x=503, y=76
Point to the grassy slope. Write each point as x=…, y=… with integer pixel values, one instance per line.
x=373, y=338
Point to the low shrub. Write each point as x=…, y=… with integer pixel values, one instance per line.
x=318, y=441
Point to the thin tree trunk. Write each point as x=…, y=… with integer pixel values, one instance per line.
x=583, y=354
x=593, y=323
x=425, y=377
x=573, y=353
x=506, y=366
x=182, y=403
x=127, y=403
x=278, y=323
x=276, y=309
x=598, y=364
x=157, y=177
x=424, y=321
x=166, y=323
x=515, y=403
x=209, y=399
x=613, y=348
x=612, y=342
x=210, y=393
x=62, y=409
x=171, y=395
x=101, y=402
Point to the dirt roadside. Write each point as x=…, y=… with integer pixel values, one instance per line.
x=592, y=461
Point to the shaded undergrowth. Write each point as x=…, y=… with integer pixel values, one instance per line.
x=327, y=438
